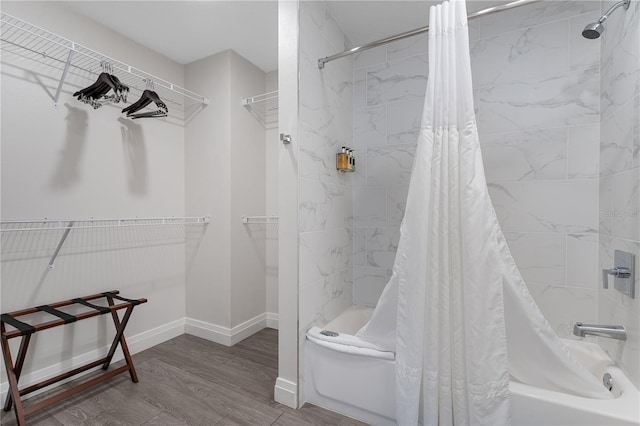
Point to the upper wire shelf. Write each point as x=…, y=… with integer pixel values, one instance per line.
x=33, y=42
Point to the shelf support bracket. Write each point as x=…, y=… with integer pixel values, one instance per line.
x=63, y=77
x=60, y=244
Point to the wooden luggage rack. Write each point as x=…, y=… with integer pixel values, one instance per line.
x=26, y=330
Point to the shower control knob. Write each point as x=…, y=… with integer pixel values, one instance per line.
x=619, y=272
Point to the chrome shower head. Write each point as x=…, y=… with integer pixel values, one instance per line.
x=595, y=29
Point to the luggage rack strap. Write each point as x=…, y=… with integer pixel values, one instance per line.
x=101, y=309
x=22, y=327
x=62, y=315
x=134, y=302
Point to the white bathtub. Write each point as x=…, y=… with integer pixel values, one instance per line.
x=361, y=383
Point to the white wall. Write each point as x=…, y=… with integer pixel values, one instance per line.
x=620, y=177
x=208, y=189
x=271, y=165
x=248, y=195
x=225, y=176
x=76, y=162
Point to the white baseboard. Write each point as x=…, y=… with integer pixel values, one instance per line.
x=137, y=343
x=286, y=393
x=208, y=331
x=272, y=320
x=230, y=336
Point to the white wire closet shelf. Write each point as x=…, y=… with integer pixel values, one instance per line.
x=91, y=223
x=264, y=107
x=259, y=219
x=37, y=44
x=13, y=227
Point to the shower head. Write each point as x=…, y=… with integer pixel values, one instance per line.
x=595, y=29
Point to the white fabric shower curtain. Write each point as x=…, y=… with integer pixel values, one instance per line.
x=456, y=309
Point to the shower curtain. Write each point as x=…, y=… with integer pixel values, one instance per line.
x=456, y=310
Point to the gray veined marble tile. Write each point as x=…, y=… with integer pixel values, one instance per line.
x=390, y=165
x=474, y=30
x=359, y=247
x=583, y=53
x=529, y=155
x=324, y=253
x=359, y=88
x=416, y=45
x=568, y=206
x=540, y=256
x=325, y=96
x=323, y=205
x=368, y=284
x=403, y=122
x=605, y=199
x=553, y=302
x=582, y=260
x=369, y=205
x=382, y=244
x=619, y=138
x=397, y=81
x=531, y=15
x=324, y=299
x=369, y=57
x=531, y=53
x=563, y=100
x=370, y=127
x=620, y=63
x=396, y=204
x=625, y=215
x=321, y=17
x=583, y=152
x=317, y=158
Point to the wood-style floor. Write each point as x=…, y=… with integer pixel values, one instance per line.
x=190, y=381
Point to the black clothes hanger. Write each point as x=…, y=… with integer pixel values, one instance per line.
x=96, y=94
x=147, y=97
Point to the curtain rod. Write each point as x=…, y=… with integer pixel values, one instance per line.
x=483, y=12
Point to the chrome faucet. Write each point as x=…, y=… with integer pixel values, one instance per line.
x=611, y=331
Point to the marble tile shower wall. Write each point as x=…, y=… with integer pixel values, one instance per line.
x=389, y=84
x=536, y=86
x=325, y=206
x=620, y=176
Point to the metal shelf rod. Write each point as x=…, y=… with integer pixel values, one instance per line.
x=260, y=98
x=259, y=219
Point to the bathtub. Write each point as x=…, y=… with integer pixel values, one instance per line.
x=358, y=380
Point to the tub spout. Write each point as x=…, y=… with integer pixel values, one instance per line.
x=611, y=331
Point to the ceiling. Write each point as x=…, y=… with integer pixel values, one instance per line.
x=186, y=31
